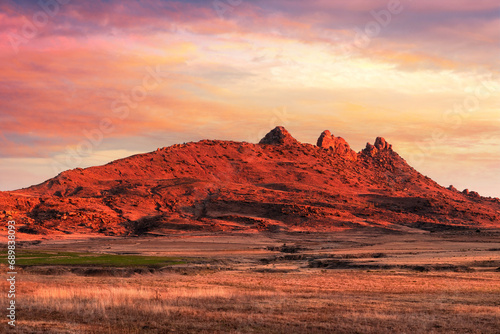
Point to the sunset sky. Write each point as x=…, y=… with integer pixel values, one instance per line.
x=87, y=82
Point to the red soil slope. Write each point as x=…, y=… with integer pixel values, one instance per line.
x=278, y=184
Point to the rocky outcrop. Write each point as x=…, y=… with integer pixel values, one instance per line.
x=381, y=145
x=474, y=194
x=470, y=193
x=279, y=136
x=337, y=145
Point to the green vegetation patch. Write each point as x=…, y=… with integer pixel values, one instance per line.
x=39, y=258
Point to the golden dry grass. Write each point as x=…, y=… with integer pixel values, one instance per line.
x=245, y=302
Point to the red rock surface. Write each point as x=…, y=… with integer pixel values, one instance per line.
x=337, y=145
x=278, y=184
x=279, y=136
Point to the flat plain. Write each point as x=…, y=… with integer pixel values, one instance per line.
x=362, y=281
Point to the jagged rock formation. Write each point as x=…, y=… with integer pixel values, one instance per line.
x=380, y=146
x=336, y=144
x=279, y=136
x=279, y=184
x=470, y=193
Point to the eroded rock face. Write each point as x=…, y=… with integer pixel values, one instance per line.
x=380, y=145
x=336, y=144
x=469, y=193
x=474, y=194
x=279, y=136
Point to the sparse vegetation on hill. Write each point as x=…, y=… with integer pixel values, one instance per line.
x=276, y=185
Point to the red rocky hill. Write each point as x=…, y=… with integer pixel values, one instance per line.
x=278, y=184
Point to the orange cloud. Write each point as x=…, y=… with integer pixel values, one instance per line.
x=224, y=76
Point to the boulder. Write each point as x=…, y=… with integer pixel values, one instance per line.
x=279, y=136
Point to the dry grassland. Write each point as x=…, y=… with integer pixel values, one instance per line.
x=319, y=301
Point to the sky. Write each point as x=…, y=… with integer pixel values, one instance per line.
x=83, y=83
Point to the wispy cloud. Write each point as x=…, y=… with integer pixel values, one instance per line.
x=223, y=75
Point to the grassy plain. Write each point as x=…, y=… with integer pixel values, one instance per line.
x=408, y=283
x=45, y=258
